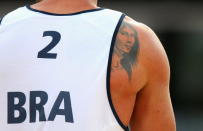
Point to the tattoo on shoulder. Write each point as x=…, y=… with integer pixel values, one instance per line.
x=126, y=49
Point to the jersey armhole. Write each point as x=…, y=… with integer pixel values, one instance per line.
x=109, y=72
x=1, y=20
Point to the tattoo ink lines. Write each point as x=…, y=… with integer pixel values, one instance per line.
x=126, y=49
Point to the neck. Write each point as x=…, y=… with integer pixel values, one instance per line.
x=65, y=6
x=119, y=53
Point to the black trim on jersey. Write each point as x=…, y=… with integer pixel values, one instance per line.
x=76, y=13
x=109, y=73
x=1, y=20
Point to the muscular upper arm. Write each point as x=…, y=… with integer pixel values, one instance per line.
x=153, y=109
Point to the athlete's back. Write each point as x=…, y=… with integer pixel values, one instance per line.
x=94, y=70
x=53, y=70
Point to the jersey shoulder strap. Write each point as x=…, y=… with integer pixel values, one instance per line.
x=1, y=20
x=14, y=16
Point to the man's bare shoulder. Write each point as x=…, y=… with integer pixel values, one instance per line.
x=153, y=98
x=152, y=61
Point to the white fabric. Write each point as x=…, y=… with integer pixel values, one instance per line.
x=80, y=67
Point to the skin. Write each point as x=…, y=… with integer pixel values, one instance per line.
x=140, y=71
x=65, y=6
x=143, y=102
x=126, y=49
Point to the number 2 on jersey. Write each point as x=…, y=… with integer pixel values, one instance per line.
x=56, y=37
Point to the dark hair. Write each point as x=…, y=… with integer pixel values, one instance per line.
x=130, y=59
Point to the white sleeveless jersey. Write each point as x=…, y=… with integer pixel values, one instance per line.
x=55, y=70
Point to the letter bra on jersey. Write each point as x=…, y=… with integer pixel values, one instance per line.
x=35, y=106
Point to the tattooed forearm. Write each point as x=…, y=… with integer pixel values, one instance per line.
x=126, y=49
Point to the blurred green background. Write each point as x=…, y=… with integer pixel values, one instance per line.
x=179, y=25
